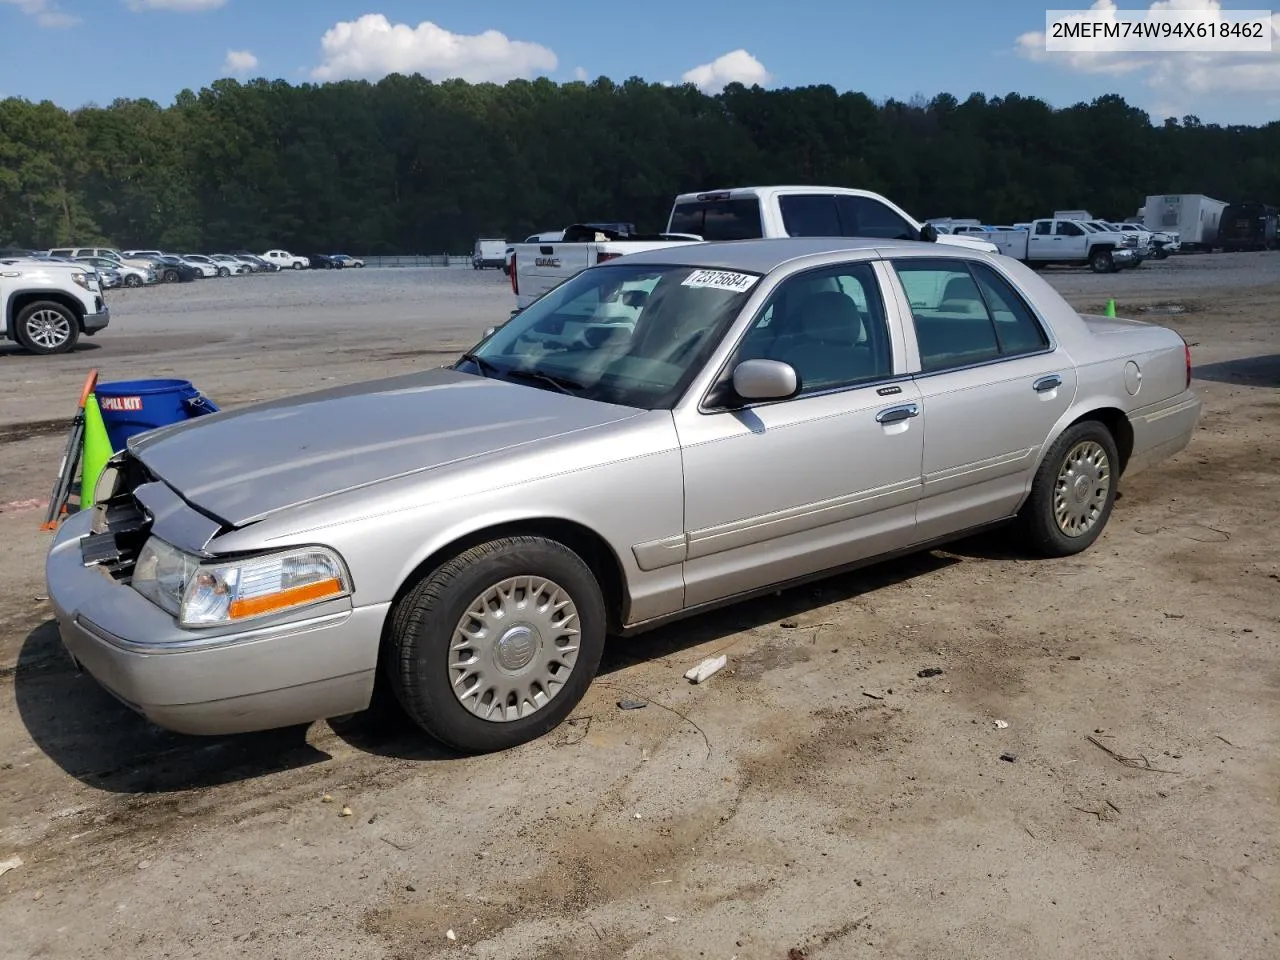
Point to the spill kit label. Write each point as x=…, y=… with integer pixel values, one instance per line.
x=120, y=403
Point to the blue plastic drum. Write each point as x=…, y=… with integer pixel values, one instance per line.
x=131, y=407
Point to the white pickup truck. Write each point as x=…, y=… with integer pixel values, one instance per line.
x=1067, y=241
x=741, y=213
x=45, y=305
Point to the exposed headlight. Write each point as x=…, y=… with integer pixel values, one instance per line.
x=212, y=593
x=81, y=278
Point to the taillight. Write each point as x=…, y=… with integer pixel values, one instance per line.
x=1186, y=347
x=602, y=256
x=515, y=284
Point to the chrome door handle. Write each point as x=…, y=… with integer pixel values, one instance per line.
x=1045, y=384
x=898, y=414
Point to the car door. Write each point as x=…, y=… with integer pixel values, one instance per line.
x=1072, y=240
x=992, y=381
x=783, y=489
x=1041, y=245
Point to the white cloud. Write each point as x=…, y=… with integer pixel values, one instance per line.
x=372, y=47
x=181, y=6
x=239, y=62
x=580, y=73
x=1176, y=80
x=45, y=12
x=738, y=66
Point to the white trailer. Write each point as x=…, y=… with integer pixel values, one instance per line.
x=1192, y=216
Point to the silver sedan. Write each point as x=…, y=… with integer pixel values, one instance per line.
x=661, y=434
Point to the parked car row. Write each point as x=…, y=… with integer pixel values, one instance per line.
x=137, y=268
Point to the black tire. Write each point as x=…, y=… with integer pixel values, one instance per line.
x=170, y=276
x=132, y=280
x=297, y=266
x=224, y=272
x=1101, y=261
x=423, y=623
x=1037, y=520
x=33, y=333
x=1162, y=254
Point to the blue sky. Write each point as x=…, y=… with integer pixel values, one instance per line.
x=80, y=51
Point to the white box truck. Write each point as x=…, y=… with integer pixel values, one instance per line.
x=1192, y=216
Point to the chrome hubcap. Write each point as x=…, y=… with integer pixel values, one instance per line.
x=514, y=649
x=48, y=328
x=1084, y=483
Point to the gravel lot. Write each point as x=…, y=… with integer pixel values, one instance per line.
x=815, y=799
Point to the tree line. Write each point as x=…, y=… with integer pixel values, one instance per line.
x=406, y=165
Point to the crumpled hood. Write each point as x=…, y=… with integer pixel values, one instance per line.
x=241, y=465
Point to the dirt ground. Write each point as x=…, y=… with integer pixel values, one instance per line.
x=816, y=799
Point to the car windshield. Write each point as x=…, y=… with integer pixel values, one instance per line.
x=628, y=334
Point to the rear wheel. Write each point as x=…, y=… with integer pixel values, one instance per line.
x=1101, y=261
x=1073, y=492
x=498, y=645
x=46, y=327
x=224, y=272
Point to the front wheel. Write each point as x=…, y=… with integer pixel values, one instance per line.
x=1073, y=492
x=46, y=327
x=297, y=266
x=498, y=645
x=224, y=272
x=132, y=280
x=1101, y=261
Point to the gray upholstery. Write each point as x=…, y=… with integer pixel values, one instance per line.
x=826, y=341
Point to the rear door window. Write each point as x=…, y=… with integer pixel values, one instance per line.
x=727, y=219
x=809, y=215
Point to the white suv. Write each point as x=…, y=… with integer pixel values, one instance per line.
x=284, y=260
x=47, y=304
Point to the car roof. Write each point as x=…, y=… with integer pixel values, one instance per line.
x=769, y=190
x=764, y=256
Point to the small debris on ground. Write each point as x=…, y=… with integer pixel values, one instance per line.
x=411, y=888
x=13, y=863
x=930, y=672
x=788, y=624
x=1001, y=724
x=326, y=799
x=631, y=704
x=346, y=812
x=144, y=864
x=1073, y=657
x=451, y=935
x=873, y=696
x=672, y=919
x=706, y=669
x=1009, y=757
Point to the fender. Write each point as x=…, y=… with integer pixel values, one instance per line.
x=6, y=318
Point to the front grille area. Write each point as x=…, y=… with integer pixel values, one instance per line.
x=120, y=525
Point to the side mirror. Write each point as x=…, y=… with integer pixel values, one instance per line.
x=488, y=332
x=929, y=233
x=765, y=380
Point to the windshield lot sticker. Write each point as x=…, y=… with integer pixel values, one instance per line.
x=721, y=280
